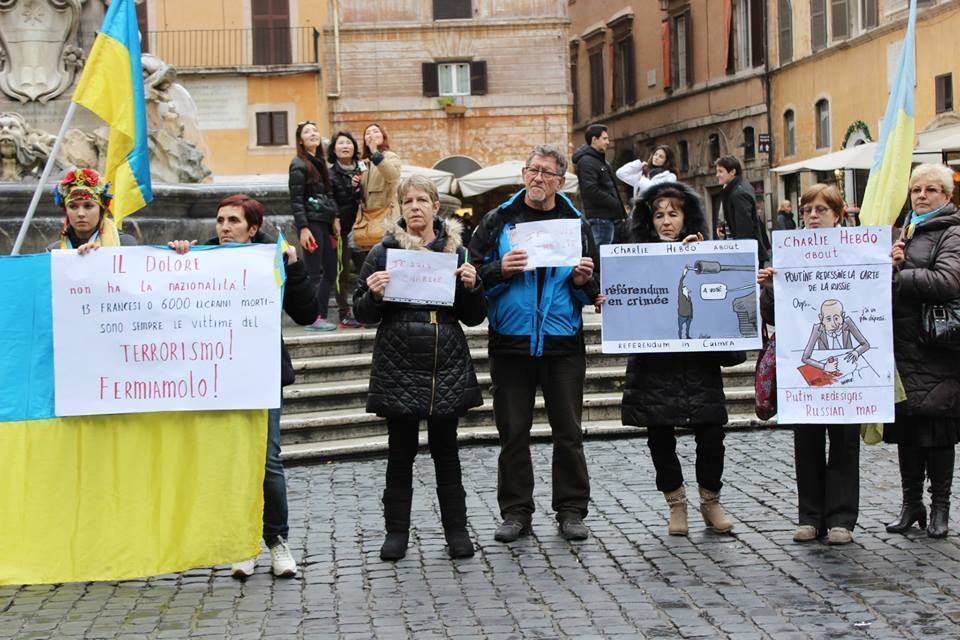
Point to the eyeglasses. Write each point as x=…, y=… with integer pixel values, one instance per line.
x=819, y=209
x=930, y=191
x=543, y=173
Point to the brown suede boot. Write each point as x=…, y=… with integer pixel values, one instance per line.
x=677, y=500
x=713, y=514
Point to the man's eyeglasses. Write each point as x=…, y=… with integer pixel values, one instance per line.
x=543, y=173
x=930, y=191
x=819, y=209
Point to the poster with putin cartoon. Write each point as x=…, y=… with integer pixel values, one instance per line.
x=674, y=297
x=834, y=327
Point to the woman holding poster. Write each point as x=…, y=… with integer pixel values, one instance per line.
x=85, y=198
x=828, y=485
x=927, y=426
x=668, y=390
x=421, y=367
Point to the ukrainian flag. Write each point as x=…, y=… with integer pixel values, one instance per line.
x=890, y=173
x=119, y=496
x=112, y=87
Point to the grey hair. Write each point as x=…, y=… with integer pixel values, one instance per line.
x=418, y=182
x=550, y=151
x=934, y=172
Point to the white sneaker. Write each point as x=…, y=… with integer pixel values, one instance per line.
x=284, y=566
x=244, y=569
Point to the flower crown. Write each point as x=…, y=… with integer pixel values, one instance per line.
x=83, y=184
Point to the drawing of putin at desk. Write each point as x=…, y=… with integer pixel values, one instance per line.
x=835, y=332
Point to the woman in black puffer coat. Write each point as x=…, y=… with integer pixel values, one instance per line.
x=314, y=213
x=666, y=390
x=421, y=368
x=927, y=426
x=345, y=173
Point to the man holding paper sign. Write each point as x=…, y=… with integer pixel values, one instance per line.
x=536, y=338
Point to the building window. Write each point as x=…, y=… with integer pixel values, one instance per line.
x=823, y=123
x=452, y=9
x=869, y=14
x=272, y=128
x=575, y=81
x=596, y=81
x=271, y=32
x=681, y=61
x=684, y=156
x=789, y=133
x=714, y=143
x=818, y=24
x=749, y=143
x=624, y=72
x=944, y=92
x=785, y=30
x=745, y=47
x=454, y=78
x=840, y=18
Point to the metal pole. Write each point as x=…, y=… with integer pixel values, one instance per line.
x=43, y=178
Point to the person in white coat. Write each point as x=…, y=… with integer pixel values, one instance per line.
x=643, y=174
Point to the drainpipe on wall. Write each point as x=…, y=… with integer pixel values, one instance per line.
x=336, y=47
x=768, y=99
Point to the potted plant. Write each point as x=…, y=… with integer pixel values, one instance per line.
x=451, y=107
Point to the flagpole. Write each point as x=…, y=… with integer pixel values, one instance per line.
x=51, y=160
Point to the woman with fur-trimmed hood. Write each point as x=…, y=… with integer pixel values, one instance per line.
x=421, y=367
x=663, y=391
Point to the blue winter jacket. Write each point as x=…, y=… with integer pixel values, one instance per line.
x=520, y=324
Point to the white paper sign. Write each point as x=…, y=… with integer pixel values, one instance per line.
x=548, y=243
x=139, y=329
x=670, y=296
x=834, y=329
x=421, y=277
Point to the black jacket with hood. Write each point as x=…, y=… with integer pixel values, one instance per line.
x=598, y=192
x=301, y=191
x=421, y=359
x=674, y=389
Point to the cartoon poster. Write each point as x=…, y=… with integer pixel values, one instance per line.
x=834, y=329
x=668, y=296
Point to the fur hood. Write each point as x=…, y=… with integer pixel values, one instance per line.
x=641, y=221
x=450, y=231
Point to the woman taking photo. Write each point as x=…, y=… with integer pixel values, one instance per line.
x=927, y=425
x=314, y=213
x=344, y=158
x=657, y=169
x=421, y=368
x=828, y=483
x=379, y=191
x=664, y=391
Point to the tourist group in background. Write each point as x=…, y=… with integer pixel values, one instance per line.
x=350, y=207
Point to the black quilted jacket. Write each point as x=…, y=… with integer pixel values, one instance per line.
x=930, y=273
x=421, y=360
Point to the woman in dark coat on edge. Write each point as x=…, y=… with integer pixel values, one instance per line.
x=927, y=426
x=314, y=213
x=663, y=391
x=421, y=368
x=345, y=172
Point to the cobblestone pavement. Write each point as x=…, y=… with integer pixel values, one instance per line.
x=629, y=580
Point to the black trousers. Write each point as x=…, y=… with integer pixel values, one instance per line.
x=322, y=264
x=662, y=442
x=403, y=442
x=828, y=484
x=515, y=380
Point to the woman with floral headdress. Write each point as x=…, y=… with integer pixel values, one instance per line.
x=85, y=197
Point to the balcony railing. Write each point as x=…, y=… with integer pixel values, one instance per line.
x=203, y=48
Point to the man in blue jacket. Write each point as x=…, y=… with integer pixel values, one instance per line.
x=536, y=338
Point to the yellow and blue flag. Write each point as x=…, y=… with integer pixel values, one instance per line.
x=890, y=173
x=111, y=86
x=279, y=271
x=116, y=496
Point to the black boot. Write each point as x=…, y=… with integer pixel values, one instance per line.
x=940, y=467
x=396, y=515
x=453, y=515
x=912, y=463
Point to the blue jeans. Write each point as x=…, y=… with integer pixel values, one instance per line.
x=683, y=321
x=602, y=230
x=274, y=484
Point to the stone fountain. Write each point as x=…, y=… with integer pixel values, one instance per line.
x=42, y=49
